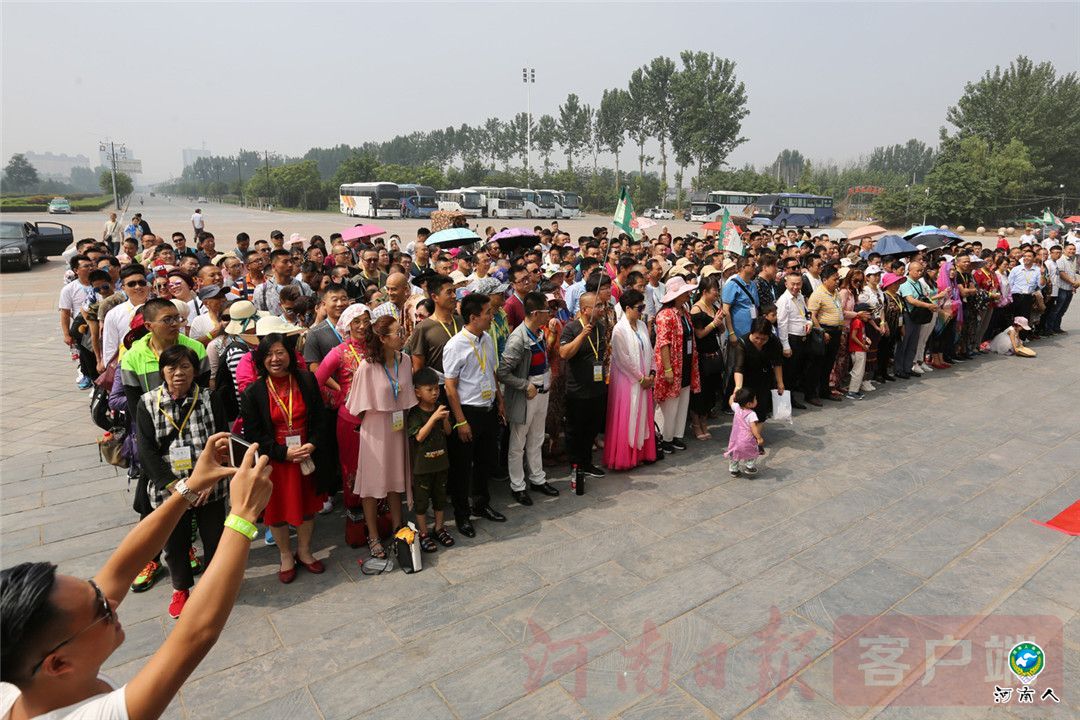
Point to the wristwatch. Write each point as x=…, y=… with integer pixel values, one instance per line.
x=184, y=491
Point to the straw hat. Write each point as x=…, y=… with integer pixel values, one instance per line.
x=708, y=270
x=274, y=324
x=458, y=277
x=243, y=318
x=181, y=307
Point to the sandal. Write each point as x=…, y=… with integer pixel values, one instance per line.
x=444, y=537
x=427, y=544
x=375, y=547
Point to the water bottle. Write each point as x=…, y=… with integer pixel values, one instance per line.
x=573, y=477
x=579, y=481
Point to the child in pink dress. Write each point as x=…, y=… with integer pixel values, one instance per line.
x=745, y=442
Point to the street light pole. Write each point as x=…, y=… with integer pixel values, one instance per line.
x=528, y=76
x=112, y=163
x=1061, y=187
x=239, y=179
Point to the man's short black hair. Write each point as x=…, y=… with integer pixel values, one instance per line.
x=425, y=377
x=534, y=301
x=132, y=269
x=154, y=307
x=99, y=276
x=280, y=252
x=277, y=234
x=242, y=237
x=472, y=305
x=26, y=615
x=76, y=259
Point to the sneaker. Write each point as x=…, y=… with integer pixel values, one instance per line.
x=146, y=577
x=328, y=506
x=176, y=606
x=196, y=562
x=867, y=386
x=853, y=396
x=924, y=367
x=593, y=471
x=916, y=370
x=749, y=468
x=733, y=468
x=268, y=538
x=84, y=383
x=678, y=444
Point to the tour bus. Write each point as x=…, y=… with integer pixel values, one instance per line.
x=418, y=201
x=501, y=202
x=795, y=209
x=567, y=204
x=372, y=199
x=467, y=202
x=538, y=204
x=715, y=202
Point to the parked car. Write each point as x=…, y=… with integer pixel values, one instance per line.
x=59, y=205
x=659, y=214
x=23, y=243
x=201, y=200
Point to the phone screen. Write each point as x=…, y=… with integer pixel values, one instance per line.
x=237, y=447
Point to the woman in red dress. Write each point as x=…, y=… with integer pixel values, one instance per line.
x=283, y=412
x=335, y=375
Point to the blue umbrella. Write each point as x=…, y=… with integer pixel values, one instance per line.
x=934, y=239
x=452, y=238
x=916, y=229
x=888, y=245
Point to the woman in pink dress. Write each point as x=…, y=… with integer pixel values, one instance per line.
x=629, y=438
x=381, y=393
x=335, y=374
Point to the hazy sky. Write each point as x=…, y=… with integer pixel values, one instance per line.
x=831, y=80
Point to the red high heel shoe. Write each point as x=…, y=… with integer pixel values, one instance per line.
x=315, y=568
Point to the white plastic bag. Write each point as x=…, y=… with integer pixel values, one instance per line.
x=781, y=406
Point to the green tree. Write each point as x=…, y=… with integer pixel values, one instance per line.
x=519, y=137
x=545, y=136
x=637, y=121
x=493, y=138
x=900, y=206
x=124, y=186
x=1032, y=104
x=20, y=175
x=973, y=182
x=788, y=166
x=911, y=161
x=714, y=103
x=573, y=128
x=83, y=179
x=610, y=128
x=659, y=78
x=356, y=167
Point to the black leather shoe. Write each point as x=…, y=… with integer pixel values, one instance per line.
x=465, y=527
x=678, y=443
x=814, y=401
x=489, y=513
x=522, y=497
x=593, y=471
x=547, y=489
x=797, y=405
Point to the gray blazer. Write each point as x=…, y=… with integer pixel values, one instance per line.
x=513, y=373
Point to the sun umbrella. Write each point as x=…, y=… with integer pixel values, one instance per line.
x=915, y=230
x=359, y=232
x=515, y=239
x=936, y=238
x=1072, y=219
x=866, y=231
x=452, y=238
x=894, y=245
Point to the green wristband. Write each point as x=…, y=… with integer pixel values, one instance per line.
x=242, y=526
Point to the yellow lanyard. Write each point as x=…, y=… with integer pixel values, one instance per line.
x=355, y=355
x=172, y=421
x=480, y=357
x=448, y=333
x=594, y=345
x=277, y=398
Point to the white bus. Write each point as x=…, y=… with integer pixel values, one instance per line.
x=467, y=202
x=538, y=204
x=501, y=202
x=713, y=206
x=372, y=200
x=567, y=204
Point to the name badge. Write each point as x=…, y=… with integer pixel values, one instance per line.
x=598, y=373
x=486, y=391
x=180, y=459
x=397, y=420
x=753, y=312
x=292, y=441
x=689, y=347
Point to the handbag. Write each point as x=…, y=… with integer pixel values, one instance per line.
x=111, y=447
x=918, y=315
x=407, y=549
x=816, y=342
x=711, y=363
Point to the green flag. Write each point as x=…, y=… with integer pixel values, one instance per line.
x=624, y=214
x=1049, y=218
x=729, y=238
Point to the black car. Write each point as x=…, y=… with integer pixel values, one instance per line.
x=24, y=243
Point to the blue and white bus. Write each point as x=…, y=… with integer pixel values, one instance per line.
x=713, y=206
x=417, y=201
x=371, y=200
x=792, y=209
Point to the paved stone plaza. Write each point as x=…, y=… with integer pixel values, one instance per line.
x=671, y=592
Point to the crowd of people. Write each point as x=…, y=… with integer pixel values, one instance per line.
x=411, y=379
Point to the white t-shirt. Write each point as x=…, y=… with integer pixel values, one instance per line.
x=197, y=221
x=201, y=325
x=73, y=295
x=1027, y=238
x=106, y=706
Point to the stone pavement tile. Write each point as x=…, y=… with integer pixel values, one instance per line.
x=70, y=548
x=794, y=702
x=933, y=546
x=820, y=676
x=383, y=591
x=1072, y=633
x=141, y=640
x=422, y=704
x=869, y=591
x=993, y=507
x=404, y=669
x=488, y=557
x=554, y=604
x=1059, y=579
x=855, y=546
x=243, y=639
x=603, y=514
x=11, y=504
x=570, y=556
x=64, y=480
x=86, y=489
x=290, y=706
x=674, y=703
x=247, y=684
x=665, y=518
x=550, y=702
x=460, y=601
x=758, y=665
x=1054, y=502
x=20, y=539
x=665, y=599
x=834, y=514
x=922, y=712
x=746, y=609
x=751, y=557
x=653, y=560
x=647, y=665
x=681, y=481
x=778, y=506
x=319, y=612
x=510, y=675
x=15, y=470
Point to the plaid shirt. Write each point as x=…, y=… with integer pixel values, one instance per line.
x=196, y=432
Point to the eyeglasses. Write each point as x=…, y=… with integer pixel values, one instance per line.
x=135, y=283
x=640, y=308
x=101, y=288
x=170, y=320
x=106, y=614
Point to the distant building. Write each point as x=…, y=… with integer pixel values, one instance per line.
x=193, y=154
x=56, y=167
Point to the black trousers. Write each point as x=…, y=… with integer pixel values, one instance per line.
x=795, y=376
x=832, y=348
x=211, y=519
x=586, y=418
x=886, y=346
x=472, y=464
x=1022, y=305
